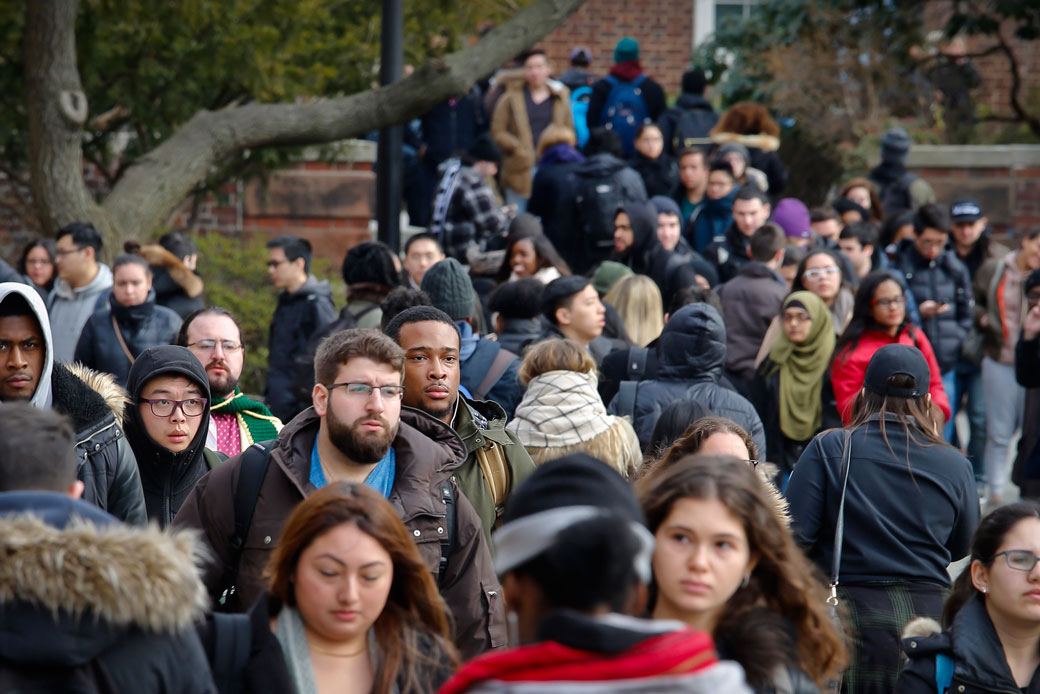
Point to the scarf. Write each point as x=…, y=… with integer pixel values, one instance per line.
x=560, y=408
x=258, y=420
x=802, y=367
x=627, y=71
x=293, y=640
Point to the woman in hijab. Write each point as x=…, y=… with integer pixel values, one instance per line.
x=166, y=425
x=790, y=380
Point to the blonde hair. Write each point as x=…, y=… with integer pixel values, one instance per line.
x=555, y=135
x=618, y=446
x=555, y=355
x=638, y=302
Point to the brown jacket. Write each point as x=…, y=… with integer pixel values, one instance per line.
x=511, y=131
x=427, y=452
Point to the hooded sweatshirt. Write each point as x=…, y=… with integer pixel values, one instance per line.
x=643, y=218
x=70, y=308
x=41, y=398
x=167, y=477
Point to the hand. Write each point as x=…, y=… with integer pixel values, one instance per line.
x=1031, y=325
x=931, y=308
x=701, y=282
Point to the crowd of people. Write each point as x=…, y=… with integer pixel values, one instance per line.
x=621, y=418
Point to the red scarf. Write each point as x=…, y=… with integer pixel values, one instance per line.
x=627, y=71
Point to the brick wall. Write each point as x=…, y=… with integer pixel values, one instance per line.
x=664, y=29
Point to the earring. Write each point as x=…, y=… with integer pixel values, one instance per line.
x=985, y=590
x=746, y=581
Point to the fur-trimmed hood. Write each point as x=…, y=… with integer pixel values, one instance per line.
x=766, y=143
x=73, y=581
x=103, y=385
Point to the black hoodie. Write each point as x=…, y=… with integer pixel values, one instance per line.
x=167, y=477
x=643, y=218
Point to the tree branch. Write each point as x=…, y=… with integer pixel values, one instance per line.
x=1016, y=87
x=159, y=180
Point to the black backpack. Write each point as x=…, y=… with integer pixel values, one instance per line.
x=692, y=129
x=895, y=197
x=598, y=200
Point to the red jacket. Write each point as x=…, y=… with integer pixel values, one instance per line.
x=850, y=366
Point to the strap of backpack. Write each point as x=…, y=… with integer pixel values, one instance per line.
x=232, y=643
x=943, y=672
x=492, y=462
x=498, y=367
x=450, y=517
x=636, y=363
x=627, y=398
x=251, y=475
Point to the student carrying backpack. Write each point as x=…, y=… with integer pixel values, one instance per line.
x=626, y=98
x=580, y=98
x=625, y=110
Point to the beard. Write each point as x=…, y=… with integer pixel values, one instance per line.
x=364, y=448
x=221, y=386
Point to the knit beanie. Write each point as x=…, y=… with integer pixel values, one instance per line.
x=733, y=147
x=664, y=205
x=485, y=149
x=608, y=274
x=894, y=146
x=449, y=288
x=525, y=225
x=627, y=49
x=793, y=217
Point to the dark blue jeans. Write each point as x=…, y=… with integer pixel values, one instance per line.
x=963, y=386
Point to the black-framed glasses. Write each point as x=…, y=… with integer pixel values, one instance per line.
x=1019, y=559
x=209, y=345
x=164, y=407
x=889, y=303
x=364, y=390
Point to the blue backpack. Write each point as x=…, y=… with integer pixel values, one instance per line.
x=625, y=110
x=943, y=672
x=579, y=111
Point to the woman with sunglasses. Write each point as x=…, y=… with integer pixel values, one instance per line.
x=991, y=621
x=166, y=425
x=879, y=318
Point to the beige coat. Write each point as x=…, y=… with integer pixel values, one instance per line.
x=512, y=131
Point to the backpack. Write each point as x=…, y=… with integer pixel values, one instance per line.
x=692, y=128
x=597, y=201
x=895, y=197
x=45, y=678
x=625, y=110
x=635, y=369
x=580, y=98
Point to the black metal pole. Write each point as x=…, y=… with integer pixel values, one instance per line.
x=389, y=164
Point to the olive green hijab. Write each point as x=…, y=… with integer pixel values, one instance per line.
x=802, y=367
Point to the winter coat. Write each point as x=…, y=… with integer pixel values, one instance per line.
x=765, y=645
x=660, y=176
x=988, y=288
x=943, y=280
x=142, y=326
x=904, y=521
x=984, y=249
x=850, y=366
x=507, y=390
x=611, y=653
x=518, y=333
x=176, y=286
x=1026, y=470
x=914, y=191
x=481, y=424
x=750, y=302
x=979, y=663
x=511, y=131
x=763, y=150
x=765, y=396
x=428, y=454
x=296, y=318
x=691, y=352
x=70, y=309
x=599, y=167
x=167, y=477
x=643, y=220
x=550, y=181
x=701, y=110
x=452, y=126
x=92, y=591
x=729, y=253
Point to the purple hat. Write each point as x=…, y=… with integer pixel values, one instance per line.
x=793, y=217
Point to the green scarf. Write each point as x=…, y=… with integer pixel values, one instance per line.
x=262, y=425
x=802, y=367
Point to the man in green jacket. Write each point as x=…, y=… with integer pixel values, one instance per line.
x=496, y=461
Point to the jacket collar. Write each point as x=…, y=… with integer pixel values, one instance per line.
x=977, y=651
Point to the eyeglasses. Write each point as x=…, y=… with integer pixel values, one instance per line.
x=818, y=273
x=62, y=252
x=364, y=390
x=209, y=345
x=1019, y=559
x=162, y=407
x=272, y=264
x=796, y=318
x=39, y=262
x=889, y=303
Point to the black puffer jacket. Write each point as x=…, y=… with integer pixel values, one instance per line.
x=979, y=663
x=691, y=352
x=167, y=477
x=142, y=326
x=172, y=295
x=106, y=464
x=660, y=176
x=297, y=317
x=943, y=280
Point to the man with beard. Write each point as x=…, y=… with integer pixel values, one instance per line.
x=495, y=459
x=356, y=431
x=236, y=422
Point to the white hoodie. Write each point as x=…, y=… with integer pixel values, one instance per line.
x=42, y=396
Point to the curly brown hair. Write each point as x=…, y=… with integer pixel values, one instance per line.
x=747, y=118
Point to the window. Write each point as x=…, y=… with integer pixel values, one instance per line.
x=709, y=15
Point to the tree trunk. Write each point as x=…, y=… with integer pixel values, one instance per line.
x=57, y=110
x=153, y=186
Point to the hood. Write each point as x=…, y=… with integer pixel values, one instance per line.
x=312, y=286
x=102, y=282
x=87, y=396
x=600, y=165
x=643, y=218
x=135, y=314
x=154, y=460
x=693, y=102
x=693, y=344
x=42, y=395
x=561, y=153
x=761, y=141
x=74, y=580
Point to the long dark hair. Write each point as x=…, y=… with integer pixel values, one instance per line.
x=984, y=544
x=862, y=314
x=919, y=416
x=547, y=254
x=52, y=252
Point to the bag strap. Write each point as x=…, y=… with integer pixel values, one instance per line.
x=232, y=643
x=627, y=398
x=637, y=363
x=943, y=672
x=450, y=517
x=499, y=364
x=839, y=528
x=251, y=475
x=119, y=336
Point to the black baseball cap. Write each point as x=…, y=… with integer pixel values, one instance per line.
x=897, y=359
x=965, y=210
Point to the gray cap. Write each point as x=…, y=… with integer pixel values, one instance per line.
x=448, y=285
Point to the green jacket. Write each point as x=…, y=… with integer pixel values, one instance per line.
x=481, y=424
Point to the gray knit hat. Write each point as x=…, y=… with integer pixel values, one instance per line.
x=449, y=288
x=894, y=146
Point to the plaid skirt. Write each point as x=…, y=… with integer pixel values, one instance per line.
x=874, y=617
